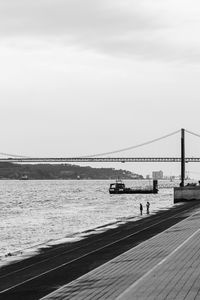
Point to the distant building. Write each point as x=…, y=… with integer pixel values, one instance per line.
x=157, y=174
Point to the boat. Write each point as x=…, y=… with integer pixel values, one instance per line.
x=24, y=177
x=119, y=188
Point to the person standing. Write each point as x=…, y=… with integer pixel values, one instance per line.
x=141, y=208
x=147, y=206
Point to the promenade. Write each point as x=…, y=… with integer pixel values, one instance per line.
x=167, y=266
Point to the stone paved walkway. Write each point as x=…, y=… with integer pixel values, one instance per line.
x=166, y=266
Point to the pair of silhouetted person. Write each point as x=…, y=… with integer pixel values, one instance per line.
x=147, y=206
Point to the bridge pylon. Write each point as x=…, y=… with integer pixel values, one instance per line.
x=182, y=157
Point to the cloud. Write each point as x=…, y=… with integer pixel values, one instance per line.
x=60, y=17
x=115, y=27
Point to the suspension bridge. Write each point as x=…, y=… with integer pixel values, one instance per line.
x=103, y=157
x=106, y=156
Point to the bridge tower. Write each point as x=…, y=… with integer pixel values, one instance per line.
x=182, y=157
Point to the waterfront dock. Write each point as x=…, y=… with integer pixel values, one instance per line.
x=166, y=266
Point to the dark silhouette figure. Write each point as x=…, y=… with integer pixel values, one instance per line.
x=141, y=208
x=147, y=206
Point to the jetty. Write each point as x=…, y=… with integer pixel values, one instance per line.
x=187, y=192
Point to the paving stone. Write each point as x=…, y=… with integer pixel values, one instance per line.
x=166, y=266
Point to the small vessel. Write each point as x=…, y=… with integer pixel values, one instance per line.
x=119, y=188
x=24, y=177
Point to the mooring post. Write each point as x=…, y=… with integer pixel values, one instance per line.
x=182, y=157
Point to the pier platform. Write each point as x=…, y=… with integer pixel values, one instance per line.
x=167, y=266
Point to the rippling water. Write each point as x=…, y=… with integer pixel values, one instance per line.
x=39, y=213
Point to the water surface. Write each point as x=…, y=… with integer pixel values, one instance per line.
x=36, y=213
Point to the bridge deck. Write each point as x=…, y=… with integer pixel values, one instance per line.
x=166, y=266
x=97, y=159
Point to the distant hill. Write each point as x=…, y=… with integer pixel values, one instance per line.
x=61, y=171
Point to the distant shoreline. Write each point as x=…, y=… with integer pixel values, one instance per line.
x=62, y=171
x=67, y=179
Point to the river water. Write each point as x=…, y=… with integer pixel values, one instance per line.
x=40, y=213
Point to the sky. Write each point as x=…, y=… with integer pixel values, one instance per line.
x=80, y=77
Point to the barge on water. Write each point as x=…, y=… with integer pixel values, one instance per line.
x=119, y=188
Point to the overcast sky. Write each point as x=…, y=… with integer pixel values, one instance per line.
x=82, y=77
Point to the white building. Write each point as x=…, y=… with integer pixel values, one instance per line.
x=157, y=174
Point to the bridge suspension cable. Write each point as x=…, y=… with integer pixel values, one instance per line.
x=115, y=151
x=133, y=147
x=13, y=155
x=193, y=133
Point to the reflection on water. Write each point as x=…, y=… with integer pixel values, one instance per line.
x=44, y=211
